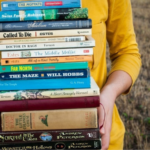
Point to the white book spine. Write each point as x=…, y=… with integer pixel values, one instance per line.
x=47, y=45
x=47, y=53
x=44, y=33
x=43, y=40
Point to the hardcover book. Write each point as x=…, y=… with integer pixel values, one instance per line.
x=43, y=40
x=39, y=4
x=50, y=119
x=45, y=52
x=46, y=25
x=44, y=33
x=44, y=67
x=45, y=14
x=46, y=94
x=89, y=42
x=65, y=145
x=60, y=74
x=44, y=60
x=50, y=104
x=48, y=136
x=40, y=84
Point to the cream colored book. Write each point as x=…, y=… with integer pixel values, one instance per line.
x=50, y=119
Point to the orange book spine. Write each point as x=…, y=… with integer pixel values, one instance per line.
x=45, y=60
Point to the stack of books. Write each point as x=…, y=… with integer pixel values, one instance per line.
x=48, y=100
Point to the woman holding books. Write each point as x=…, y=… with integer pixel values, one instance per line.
x=112, y=20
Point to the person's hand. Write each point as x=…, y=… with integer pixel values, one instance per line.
x=107, y=99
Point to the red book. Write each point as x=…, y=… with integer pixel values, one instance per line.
x=47, y=104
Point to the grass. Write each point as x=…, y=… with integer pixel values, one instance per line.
x=136, y=105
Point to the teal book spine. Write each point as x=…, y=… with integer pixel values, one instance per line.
x=43, y=67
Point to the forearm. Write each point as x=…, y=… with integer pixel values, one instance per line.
x=118, y=82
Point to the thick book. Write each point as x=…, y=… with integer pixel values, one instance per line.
x=64, y=145
x=39, y=4
x=38, y=84
x=44, y=40
x=50, y=104
x=44, y=60
x=44, y=67
x=89, y=42
x=45, y=14
x=44, y=33
x=45, y=25
x=59, y=74
x=46, y=52
x=48, y=136
x=19, y=95
x=84, y=118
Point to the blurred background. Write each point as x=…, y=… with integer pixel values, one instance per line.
x=134, y=108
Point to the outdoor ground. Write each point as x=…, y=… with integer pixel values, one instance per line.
x=135, y=107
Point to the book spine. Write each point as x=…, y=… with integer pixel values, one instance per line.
x=40, y=84
x=48, y=136
x=36, y=46
x=46, y=25
x=40, y=4
x=45, y=60
x=50, y=104
x=65, y=145
x=46, y=14
x=43, y=40
x=47, y=53
x=44, y=33
x=44, y=67
x=50, y=119
x=78, y=73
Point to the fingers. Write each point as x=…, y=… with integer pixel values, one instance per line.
x=101, y=120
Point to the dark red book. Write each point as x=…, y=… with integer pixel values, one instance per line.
x=47, y=104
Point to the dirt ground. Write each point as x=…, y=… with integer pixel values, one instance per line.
x=135, y=107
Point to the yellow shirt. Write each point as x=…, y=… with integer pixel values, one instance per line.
x=112, y=22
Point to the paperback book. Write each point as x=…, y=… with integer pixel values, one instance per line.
x=60, y=74
x=44, y=33
x=44, y=60
x=45, y=14
x=48, y=136
x=89, y=42
x=45, y=25
x=50, y=119
x=40, y=84
x=39, y=4
x=43, y=67
x=46, y=53
x=50, y=104
x=47, y=94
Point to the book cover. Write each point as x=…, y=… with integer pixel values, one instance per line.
x=92, y=144
x=44, y=33
x=50, y=119
x=43, y=40
x=46, y=94
x=40, y=84
x=39, y=4
x=89, y=42
x=45, y=25
x=50, y=104
x=45, y=14
x=44, y=60
x=46, y=52
x=44, y=67
x=59, y=74
x=48, y=136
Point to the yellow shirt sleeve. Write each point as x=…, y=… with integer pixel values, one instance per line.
x=124, y=52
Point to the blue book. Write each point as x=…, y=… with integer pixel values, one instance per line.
x=59, y=74
x=46, y=25
x=39, y=4
x=40, y=84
